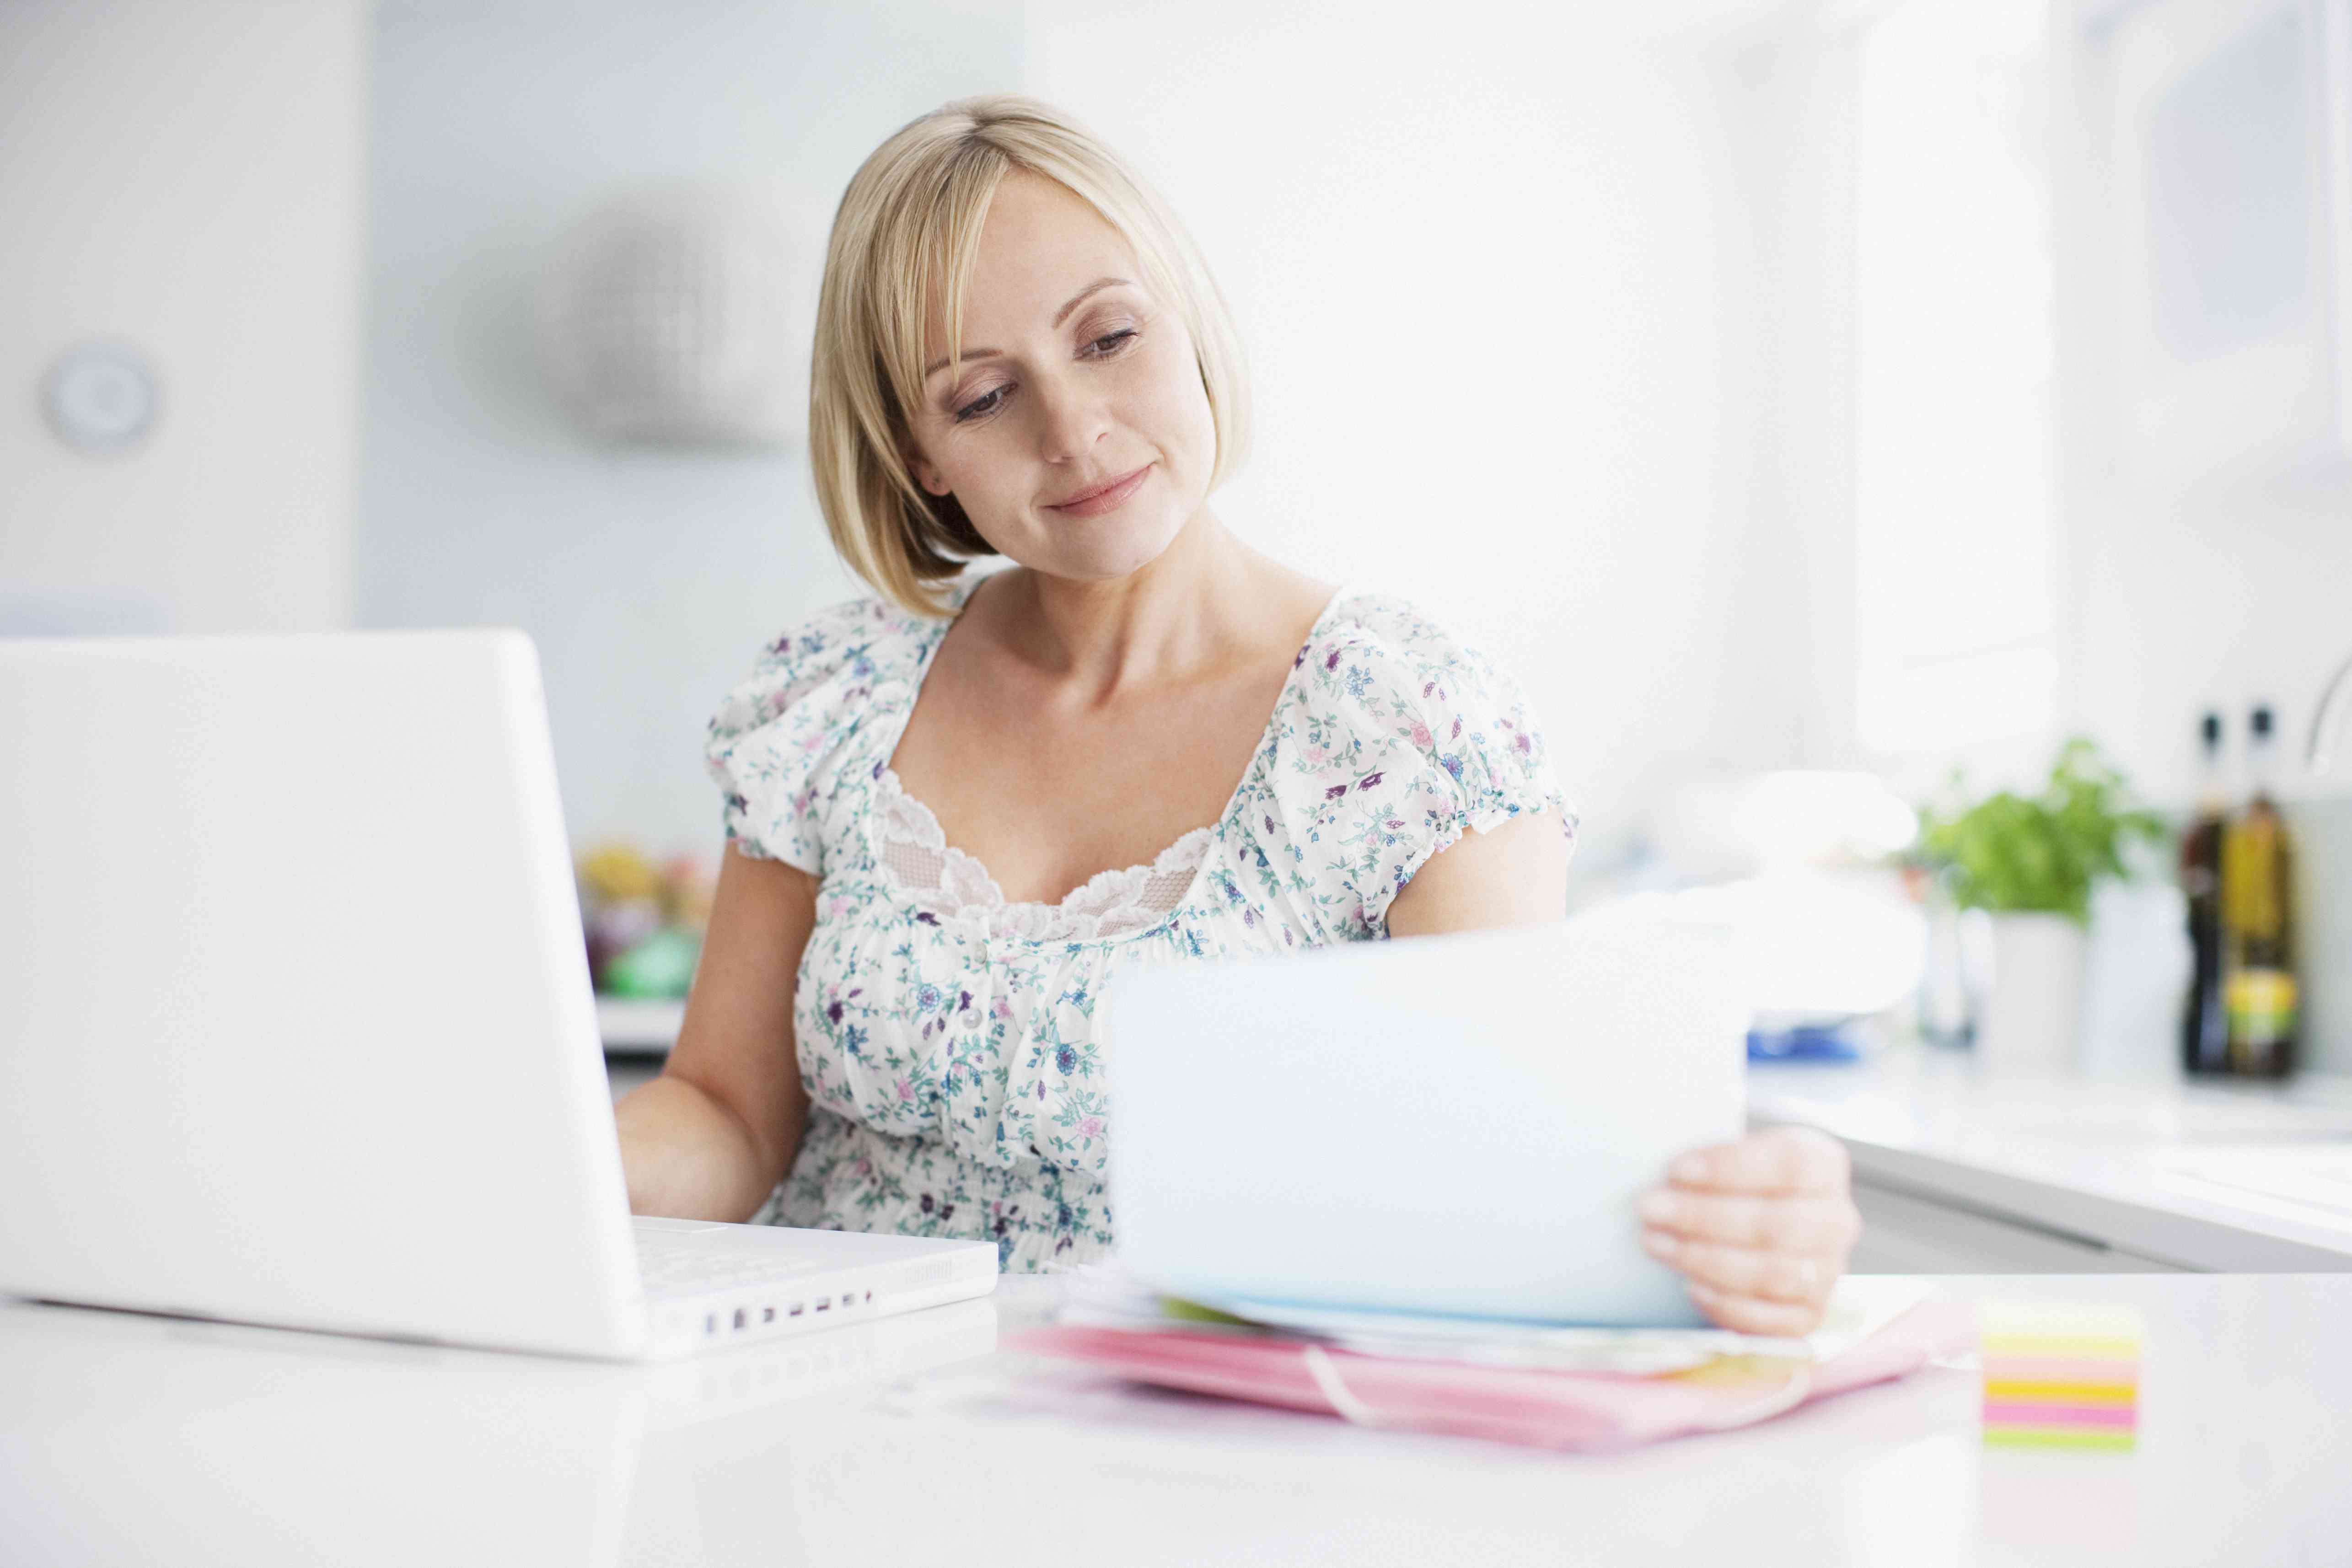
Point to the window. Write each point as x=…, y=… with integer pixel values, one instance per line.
x=1955, y=486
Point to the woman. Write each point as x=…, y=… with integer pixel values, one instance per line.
x=955, y=808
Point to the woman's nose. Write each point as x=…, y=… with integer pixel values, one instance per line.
x=1073, y=418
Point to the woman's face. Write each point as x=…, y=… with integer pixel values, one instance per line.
x=1073, y=378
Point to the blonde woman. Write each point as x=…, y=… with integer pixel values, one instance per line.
x=955, y=807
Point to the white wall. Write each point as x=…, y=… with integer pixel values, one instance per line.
x=186, y=177
x=648, y=578
x=1479, y=262
x=1788, y=272
x=1481, y=259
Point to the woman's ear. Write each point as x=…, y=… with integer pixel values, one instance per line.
x=925, y=474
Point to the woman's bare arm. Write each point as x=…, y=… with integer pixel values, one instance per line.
x=713, y=1135
x=1514, y=874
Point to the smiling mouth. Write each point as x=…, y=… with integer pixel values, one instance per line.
x=1111, y=495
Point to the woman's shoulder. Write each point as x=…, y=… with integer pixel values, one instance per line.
x=841, y=650
x=776, y=744
x=1403, y=736
x=865, y=630
x=1388, y=686
x=1381, y=649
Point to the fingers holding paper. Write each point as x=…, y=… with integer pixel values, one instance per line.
x=1761, y=1228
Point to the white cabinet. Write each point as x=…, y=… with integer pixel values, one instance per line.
x=1906, y=1232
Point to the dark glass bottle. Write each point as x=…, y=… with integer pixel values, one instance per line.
x=2204, y=1027
x=2259, y=995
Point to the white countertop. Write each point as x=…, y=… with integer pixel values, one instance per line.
x=132, y=1439
x=638, y=1026
x=2207, y=1175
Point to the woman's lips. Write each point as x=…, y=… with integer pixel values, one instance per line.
x=1104, y=500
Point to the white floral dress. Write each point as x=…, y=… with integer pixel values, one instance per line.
x=948, y=1040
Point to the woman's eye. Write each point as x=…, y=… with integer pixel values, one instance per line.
x=1104, y=347
x=980, y=406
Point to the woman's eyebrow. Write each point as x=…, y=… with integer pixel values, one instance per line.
x=1059, y=316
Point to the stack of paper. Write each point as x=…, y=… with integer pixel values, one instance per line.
x=1552, y=1387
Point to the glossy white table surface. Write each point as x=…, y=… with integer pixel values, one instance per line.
x=131, y=1440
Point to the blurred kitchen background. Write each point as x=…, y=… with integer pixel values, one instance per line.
x=1804, y=397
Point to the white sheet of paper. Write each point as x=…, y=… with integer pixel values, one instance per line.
x=1455, y=1125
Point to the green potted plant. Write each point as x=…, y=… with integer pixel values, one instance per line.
x=2031, y=861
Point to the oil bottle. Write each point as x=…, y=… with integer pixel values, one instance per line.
x=2204, y=1025
x=2260, y=1000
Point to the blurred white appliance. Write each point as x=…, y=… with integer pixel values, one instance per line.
x=2231, y=234
x=299, y=1027
x=2321, y=821
x=2322, y=828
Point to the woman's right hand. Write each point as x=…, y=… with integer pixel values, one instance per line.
x=710, y=1138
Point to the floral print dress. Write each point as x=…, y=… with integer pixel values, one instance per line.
x=948, y=1040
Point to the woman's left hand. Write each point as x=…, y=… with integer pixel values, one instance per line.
x=1761, y=1228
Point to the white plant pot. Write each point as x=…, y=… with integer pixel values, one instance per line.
x=2036, y=999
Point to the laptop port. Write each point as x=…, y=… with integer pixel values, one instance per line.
x=767, y=1314
x=798, y=1308
x=739, y=1317
x=710, y=1324
x=825, y=1303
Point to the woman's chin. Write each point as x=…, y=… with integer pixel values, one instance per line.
x=1105, y=549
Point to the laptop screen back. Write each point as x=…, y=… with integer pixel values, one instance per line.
x=299, y=1027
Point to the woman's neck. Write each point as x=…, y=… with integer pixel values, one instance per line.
x=1197, y=607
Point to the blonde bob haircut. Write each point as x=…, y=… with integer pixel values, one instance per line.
x=907, y=233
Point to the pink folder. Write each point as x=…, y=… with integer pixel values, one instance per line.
x=1581, y=1410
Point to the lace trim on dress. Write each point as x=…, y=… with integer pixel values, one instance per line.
x=945, y=881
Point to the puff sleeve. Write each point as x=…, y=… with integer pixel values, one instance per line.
x=774, y=744
x=1428, y=740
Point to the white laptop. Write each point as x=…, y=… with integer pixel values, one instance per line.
x=1455, y=1125
x=296, y=1024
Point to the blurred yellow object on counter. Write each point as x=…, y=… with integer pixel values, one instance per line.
x=643, y=922
x=615, y=873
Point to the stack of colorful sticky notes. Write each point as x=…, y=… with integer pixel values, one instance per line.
x=2059, y=1374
